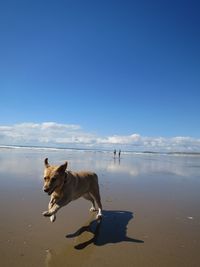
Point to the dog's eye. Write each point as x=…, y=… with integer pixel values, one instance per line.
x=45, y=178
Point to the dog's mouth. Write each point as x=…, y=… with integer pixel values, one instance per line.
x=49, y=191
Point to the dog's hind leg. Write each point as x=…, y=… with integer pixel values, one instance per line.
x=90, y=198
x=99, y=214
x=97, y=198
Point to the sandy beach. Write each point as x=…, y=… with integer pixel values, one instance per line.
x=151, y=211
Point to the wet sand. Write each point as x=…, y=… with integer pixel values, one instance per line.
x=151, y=212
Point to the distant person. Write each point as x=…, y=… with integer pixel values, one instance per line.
x=115, y=153
x=119, y=153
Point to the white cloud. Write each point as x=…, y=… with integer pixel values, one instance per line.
x=117, y=139
x=52, y=134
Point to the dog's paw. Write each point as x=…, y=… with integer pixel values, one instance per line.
x=53, y=218
x=99, y=216
x=46, y=213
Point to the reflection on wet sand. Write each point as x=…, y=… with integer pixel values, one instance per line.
x=164, y=196
x=112, y=228
x=143, y=164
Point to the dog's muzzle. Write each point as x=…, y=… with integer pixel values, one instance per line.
x=48, y=190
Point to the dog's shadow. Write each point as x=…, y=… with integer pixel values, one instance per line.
x=112, y=228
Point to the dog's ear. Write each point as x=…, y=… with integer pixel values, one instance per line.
x=63, y=167
x=46, y=163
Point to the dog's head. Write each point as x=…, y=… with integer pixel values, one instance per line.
x=54, y=176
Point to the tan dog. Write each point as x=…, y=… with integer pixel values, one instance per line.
x=65, y=186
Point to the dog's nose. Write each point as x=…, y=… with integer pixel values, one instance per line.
x=46, y=190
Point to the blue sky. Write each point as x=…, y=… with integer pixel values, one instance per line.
x=106, y=68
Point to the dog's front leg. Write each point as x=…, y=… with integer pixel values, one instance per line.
x=52, y=210
x=51, y=203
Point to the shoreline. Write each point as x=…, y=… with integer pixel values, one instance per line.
x=53, y=148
